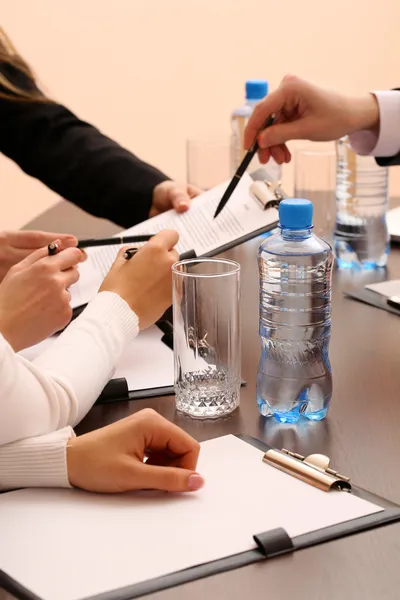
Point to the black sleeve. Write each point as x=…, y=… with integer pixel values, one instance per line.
x=76, y=161
x=389, y=161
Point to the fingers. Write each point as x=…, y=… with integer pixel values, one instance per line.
x=35, y=256
x=167, y=239
x=282, y=133
x=70, y=276
x=37, y=239
x=193, y=191
x=272, y=104
x=169, y=479
x=179, y=198
x=66, y=259
x=162, y=435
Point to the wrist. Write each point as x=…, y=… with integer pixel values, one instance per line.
x=364, y=114
x=6, y=332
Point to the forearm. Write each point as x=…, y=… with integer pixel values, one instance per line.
x=77, y=161
x=61, y=385
x=36, y=462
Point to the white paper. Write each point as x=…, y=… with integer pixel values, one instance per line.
x=386, y=288
x=146, y=363
x=393, y=221
x=68, y=545
x=197, y=229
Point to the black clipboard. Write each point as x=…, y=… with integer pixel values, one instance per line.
x=267, y=545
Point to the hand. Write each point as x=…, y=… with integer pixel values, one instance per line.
x=305, y=111
x=145, y=281
x=111, y=459
x=34, y=301
x=170, y=194
x=17, y=245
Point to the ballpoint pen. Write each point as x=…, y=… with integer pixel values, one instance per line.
x=241, y=169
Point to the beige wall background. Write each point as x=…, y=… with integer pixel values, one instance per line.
x=150, y=73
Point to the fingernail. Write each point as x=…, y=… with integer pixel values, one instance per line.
x=195, y=482
x=183, y=204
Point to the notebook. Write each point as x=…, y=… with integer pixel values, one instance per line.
x=384, y=295
x=135, y=375
x=71, y=545
x=245, y=216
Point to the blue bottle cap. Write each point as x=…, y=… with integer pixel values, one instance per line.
x=295, y=213
x=256, y=89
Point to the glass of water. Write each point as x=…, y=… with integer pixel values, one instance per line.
x=206, y=313
x=314, y=179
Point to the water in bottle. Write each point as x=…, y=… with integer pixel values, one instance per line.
x=294, y=374
x=256, y=90
x=361, y=238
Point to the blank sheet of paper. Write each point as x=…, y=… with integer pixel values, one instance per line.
x=146, y=363
x=68, y=544
x=197, y=230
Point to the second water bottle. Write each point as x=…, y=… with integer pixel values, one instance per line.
x=295, y=266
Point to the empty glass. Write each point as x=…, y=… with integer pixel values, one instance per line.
x=206, y=313
x=314, y=175
x=207, y=162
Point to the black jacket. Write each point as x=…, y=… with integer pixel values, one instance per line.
x=74, y=159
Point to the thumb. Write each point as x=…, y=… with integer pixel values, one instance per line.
x=282, y=133
x=169, y=479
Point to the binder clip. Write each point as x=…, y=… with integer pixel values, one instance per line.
x=268, y=193
x=313, y=469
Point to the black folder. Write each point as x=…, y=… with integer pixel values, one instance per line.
x=267, y=544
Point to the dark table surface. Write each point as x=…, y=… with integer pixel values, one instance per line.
x=361, y=435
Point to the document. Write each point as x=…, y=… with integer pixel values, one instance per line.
x=70, y=545
x=197, y=229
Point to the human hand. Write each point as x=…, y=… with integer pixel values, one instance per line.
x=111, y=459
x=145, y=281
x=17, y=245
x=170, y=194
x=34, y=300
x=305, y=111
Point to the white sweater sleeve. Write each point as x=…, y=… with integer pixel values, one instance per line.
x=36, y=462
x=387, y=143
x=61, y=385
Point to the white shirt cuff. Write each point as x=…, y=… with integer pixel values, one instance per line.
x=387, y=143
x=36, y=462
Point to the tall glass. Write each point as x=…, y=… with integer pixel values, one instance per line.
x=314, y=179
x=207, y=162
x=207, y=357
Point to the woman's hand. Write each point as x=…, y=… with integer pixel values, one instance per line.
x=17, y=245
x=145, y=281
x=34, y=297
x=307, y=112
x=111, y=459
x=170, y=194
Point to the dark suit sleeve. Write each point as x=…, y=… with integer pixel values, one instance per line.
x=75, y=160
x=389, y=161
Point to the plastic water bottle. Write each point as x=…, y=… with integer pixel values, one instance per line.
x=361, y=238
x=295, y=266
x=256, y=90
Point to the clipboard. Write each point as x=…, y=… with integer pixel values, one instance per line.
x=267, y=544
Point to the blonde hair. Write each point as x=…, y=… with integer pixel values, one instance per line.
x=10, y=56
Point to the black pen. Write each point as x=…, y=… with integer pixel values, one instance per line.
x=241, y=169
x=114, y=241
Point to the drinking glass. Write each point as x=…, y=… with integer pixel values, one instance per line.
x=207, y=357
x=207, y=162
x=314, y=174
